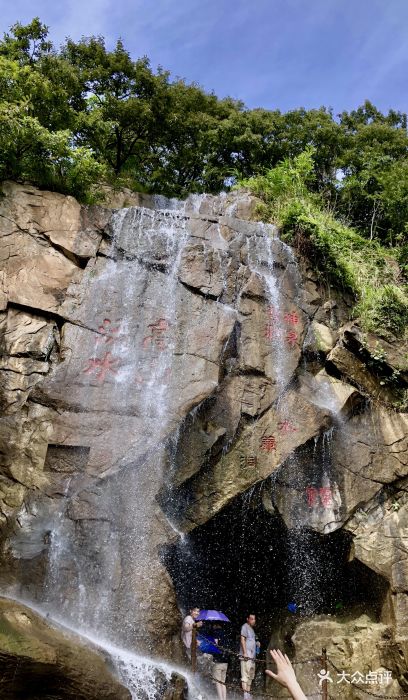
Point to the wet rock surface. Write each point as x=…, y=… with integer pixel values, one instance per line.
x=39, y=661
x=157, y=362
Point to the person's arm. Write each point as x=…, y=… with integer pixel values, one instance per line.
x=243, y=645
x=187, y=626
x=286, y=675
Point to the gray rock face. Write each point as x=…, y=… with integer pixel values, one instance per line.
x=157, y=362
x=357, y=647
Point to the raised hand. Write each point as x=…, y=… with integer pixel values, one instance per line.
x=285, y=674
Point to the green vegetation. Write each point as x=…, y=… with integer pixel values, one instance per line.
x=82, y=115
x=364, y=268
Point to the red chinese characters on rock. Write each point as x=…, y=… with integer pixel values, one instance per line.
x=268, y=443
x=273, y=330
x=326, y=497
x=324, y=494
x=157, y=337
x=272, y=313
x=286, y=427
x=291, y=318
x=248, y=461
x=312, y=494
x=292, y=338
x=101, y=366
x=108, y=333
x=270, y=331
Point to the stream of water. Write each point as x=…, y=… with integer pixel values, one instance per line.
x=141, y=273
x=137, y=672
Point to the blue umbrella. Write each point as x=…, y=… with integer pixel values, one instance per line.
x=212, y=615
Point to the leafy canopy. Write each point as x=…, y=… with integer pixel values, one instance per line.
x=74, y=118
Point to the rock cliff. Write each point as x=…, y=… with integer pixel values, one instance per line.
x=158, y=363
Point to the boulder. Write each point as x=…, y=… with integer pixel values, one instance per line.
x=258, y=452
x=326, y=391
x=49, y=215
x=354, y=646
x=390, y=353
x=319, y=338
x=39, y=659
x=355, y=370
x=380, y=538
x=369, y=450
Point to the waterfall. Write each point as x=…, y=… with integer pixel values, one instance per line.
x=261, y=260
x=145, y=350
x=140, y=674
x=135, y=354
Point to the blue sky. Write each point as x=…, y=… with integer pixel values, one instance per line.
x=269, y=53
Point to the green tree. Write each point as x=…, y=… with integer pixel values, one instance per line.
x=26, y=44
x=88, y=112
x=36, y=143
x=374, y=146
x=124, y=104
x=186, y=156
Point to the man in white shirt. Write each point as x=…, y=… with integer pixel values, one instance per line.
x=248, y=652
x=187, y=629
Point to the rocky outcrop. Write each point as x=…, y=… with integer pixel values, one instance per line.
x=157, y=362
x=245, y=463
x=380, y=539
x=36, y=656
x=359, y=656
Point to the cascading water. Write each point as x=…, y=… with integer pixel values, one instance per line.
x=137, y=348
x=133, y=355
x=268, y=260
x=315, y=501
x=306, y=577
x=262, y=261
x=306, y=560
x=144, y=677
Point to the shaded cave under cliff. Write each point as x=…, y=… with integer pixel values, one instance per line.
x=246, y=560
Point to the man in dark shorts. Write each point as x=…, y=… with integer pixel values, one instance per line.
x=220, y=661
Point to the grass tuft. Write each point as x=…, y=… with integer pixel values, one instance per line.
x=370, y=273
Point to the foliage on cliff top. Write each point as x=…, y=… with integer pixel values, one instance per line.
x=73, y=117
x=362, y=267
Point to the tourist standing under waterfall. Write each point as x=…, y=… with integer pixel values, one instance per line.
x=248, y=653
x=220, y=661
x=187, y=629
